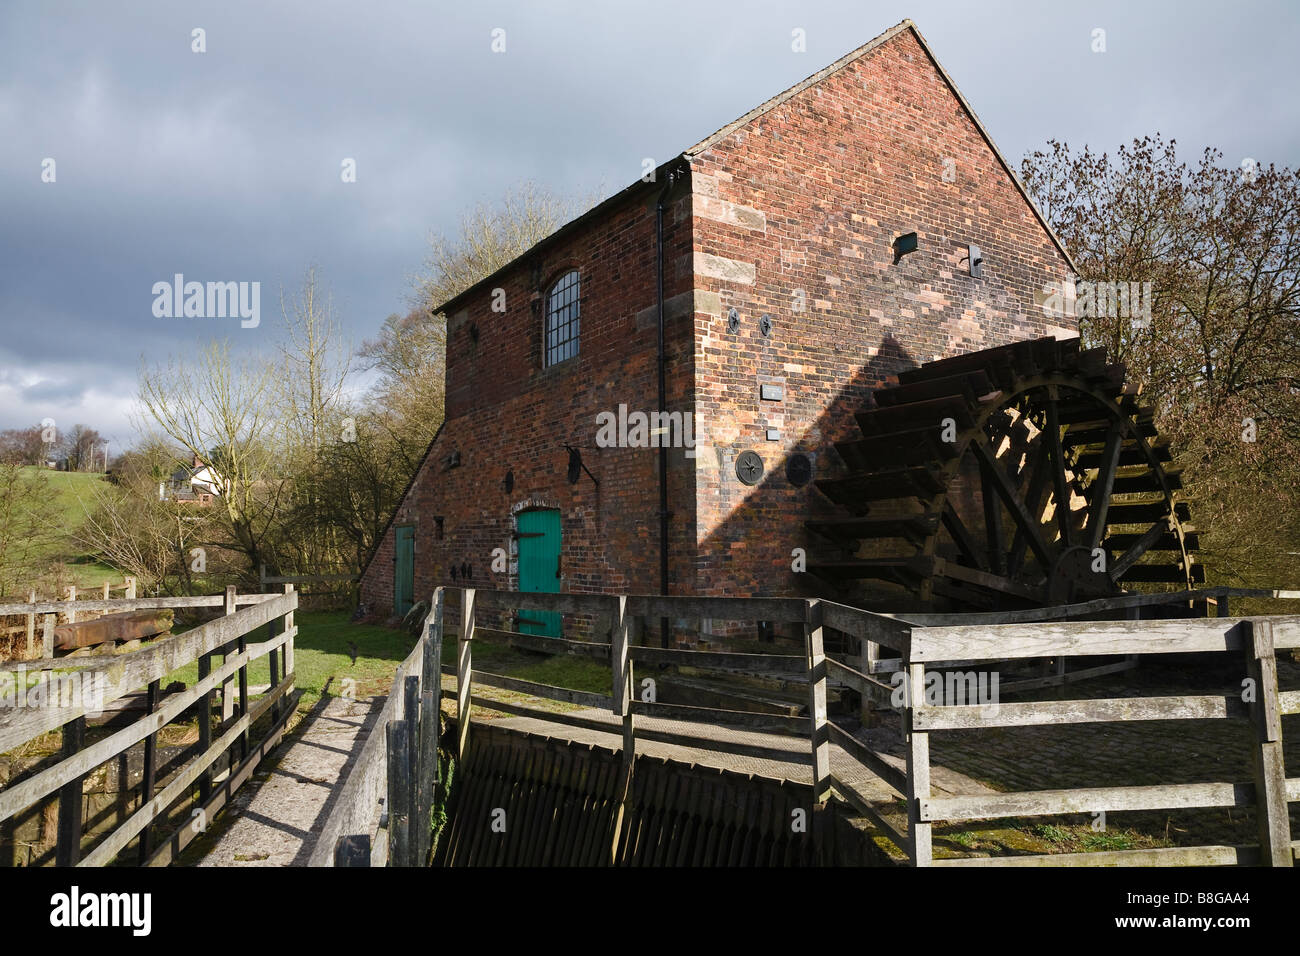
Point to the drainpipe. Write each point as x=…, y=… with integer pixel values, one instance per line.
x=663, y=404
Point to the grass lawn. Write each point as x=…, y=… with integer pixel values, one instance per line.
x=323, y=658
x=323, y=661
x=576, y=673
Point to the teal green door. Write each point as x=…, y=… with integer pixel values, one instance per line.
x=539, y=567
x=404, y=571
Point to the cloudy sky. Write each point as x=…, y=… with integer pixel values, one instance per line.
x=225, y=165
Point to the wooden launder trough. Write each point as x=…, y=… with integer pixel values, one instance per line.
x=125, y=626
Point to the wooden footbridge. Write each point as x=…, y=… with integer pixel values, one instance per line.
x=537, y=794
x=565, y=776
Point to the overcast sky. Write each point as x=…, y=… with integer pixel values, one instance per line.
x=225, y=165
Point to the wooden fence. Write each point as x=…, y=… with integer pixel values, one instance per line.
x=372, y=823
x=76, y=604
x=1251, y=643
x=329, y=584
x=396, y=768
x=86, y=686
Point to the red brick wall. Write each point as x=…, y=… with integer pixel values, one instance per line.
x=505, y=412
x=809, y=196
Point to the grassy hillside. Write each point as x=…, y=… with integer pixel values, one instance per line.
x=67, y=495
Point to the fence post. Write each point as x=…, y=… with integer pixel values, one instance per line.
x=399, y=793
x=31, y=627
x=918, y=765
x=621, y=672
x=130, y=589
x=273, y=667
x=621, y=668
x=868, y=658
x=148, y=775
x=464, y=672
x=1267, y=756
x=411, y=711
x=228, y=685
x=288, y=644
x=242, y=645
x=818, y=734
x=67, y=851
x=205, y=728
x=105, y=591
x=72, y=599
x=430, y=714
x=47, y=639
x=352, y=851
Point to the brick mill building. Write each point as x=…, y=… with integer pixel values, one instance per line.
x=764, y=276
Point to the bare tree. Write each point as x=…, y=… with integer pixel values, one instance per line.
x=134, y=525
x=490, y=237
x=81, y=447
x=23, y=446
x=410, y=356
x=314, y=363
x=220, y=410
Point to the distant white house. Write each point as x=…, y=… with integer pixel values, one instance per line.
x=197, y=484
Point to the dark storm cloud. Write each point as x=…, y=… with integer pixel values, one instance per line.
x=224, y=166
x=54, y=392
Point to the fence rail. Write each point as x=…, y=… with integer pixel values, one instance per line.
x=95, y=682
x=42, y=646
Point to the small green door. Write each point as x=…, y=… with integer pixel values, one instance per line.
x=539, y=567
x=404, y=570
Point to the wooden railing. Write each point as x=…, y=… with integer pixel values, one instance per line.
x=1252, y=642
x=381, y=816
x=395, y=771
x=340, y=590
x=84, y=687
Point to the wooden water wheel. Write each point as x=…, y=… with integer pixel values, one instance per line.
x=1015, y=476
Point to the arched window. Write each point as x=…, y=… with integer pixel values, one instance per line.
x=562, y=319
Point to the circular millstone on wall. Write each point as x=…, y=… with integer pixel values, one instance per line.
x=749, y=467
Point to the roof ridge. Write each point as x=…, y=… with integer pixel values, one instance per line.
x=851, y=57
x=764, y=107
x=802, y=85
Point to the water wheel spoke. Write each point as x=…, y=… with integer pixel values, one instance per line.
x=992, y=515
x=1102, y=487
x=961, y=535
x=1033, y=498
x=1053, y=442
x=995, y=582
x=1010, y=497
x=1139, y=547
